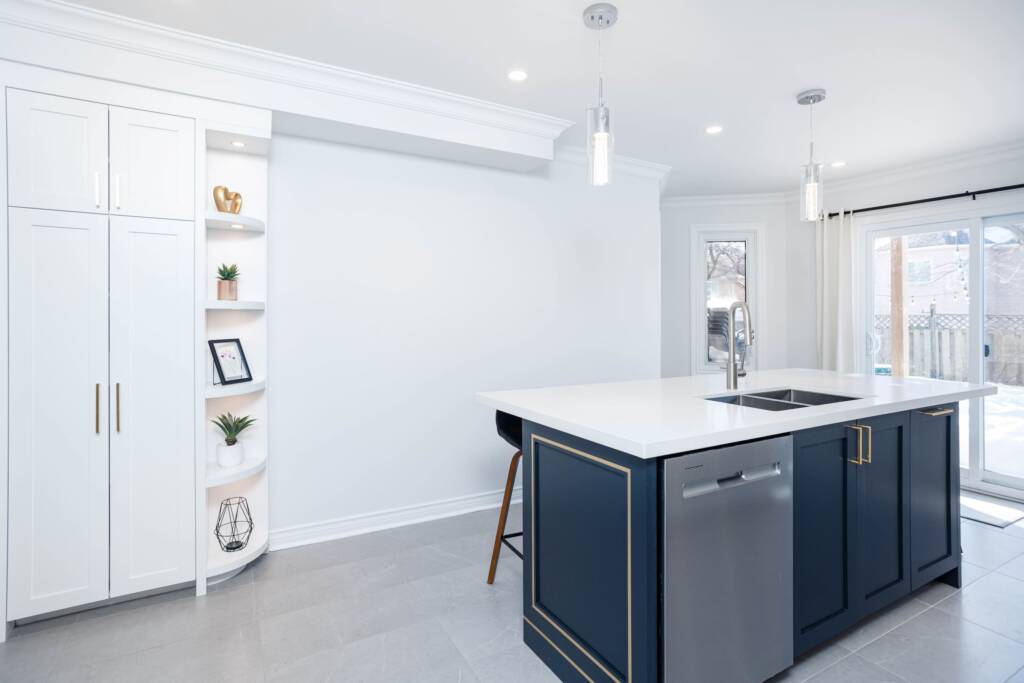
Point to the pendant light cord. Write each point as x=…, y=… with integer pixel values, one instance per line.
x=600, y=68
x=811, y=113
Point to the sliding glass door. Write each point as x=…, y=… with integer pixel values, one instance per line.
x=1003, y=414
x=946, y=301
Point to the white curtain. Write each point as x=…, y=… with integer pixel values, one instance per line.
x=837, y=292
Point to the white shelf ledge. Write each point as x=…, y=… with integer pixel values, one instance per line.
x=223, y=562
x=240, y=389
x=214, y=305
x=235, y=222
x=218, y=476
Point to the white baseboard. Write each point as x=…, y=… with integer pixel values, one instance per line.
x=304, y=534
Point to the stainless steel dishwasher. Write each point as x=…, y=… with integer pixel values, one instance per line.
x=727, y=565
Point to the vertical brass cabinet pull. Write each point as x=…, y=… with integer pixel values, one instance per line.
x=97, y=408
x=860, y=444
x=117, y=405
x=871, y=443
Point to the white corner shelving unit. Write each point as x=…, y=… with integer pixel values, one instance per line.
x=237, y=159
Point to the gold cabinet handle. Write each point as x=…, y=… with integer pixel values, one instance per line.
x=97, y=408
x=860, y=444
x=117, y=405
x=938, y=412
x=871, y=443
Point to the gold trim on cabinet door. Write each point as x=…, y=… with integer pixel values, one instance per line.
x=871, y=443
x=937, y=413
x=860, y=444
x=534, y=438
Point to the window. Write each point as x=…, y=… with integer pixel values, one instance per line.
x=919, y=272
x=725, y=282
x=723, y=272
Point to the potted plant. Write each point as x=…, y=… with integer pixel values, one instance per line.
x=227, y=282
x=230, y=453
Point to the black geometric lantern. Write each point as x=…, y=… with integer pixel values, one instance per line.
x=234, y=524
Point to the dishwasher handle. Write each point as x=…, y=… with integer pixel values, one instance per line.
x=747, y=476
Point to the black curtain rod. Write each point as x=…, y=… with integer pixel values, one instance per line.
x=969, y=193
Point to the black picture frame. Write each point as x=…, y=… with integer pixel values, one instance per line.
x=246, y=377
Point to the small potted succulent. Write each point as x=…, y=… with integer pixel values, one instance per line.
x=227, y=282
x=230, y=452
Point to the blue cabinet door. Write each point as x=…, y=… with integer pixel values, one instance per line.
x=824, y=534
x=935, y=495
x=883, y=512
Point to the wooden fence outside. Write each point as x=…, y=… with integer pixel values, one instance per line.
x=938, y=346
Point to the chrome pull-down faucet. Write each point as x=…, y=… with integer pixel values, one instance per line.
x=732, y=372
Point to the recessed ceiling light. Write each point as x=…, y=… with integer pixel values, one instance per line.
x=713, y=130
x=517, y=75
x=237, y=143
x=237, y=226
x=837, y=164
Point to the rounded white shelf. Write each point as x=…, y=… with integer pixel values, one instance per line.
x=216, y=305
x=219, y=476
x=240, y=389
x=218, y=220
x=223, y=562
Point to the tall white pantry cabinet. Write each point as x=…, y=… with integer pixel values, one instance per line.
x=101, y=292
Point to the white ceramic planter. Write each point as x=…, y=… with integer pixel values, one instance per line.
x=229, y=456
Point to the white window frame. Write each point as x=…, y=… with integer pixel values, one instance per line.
x=700, y=235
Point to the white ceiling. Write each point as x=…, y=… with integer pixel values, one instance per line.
x=908, y=80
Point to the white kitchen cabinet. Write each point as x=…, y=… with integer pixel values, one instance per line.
x=152, y=164
x=57, y=152
x=152, y=467
x=58, y=411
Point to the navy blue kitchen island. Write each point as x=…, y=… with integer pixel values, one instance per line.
x=875, y=516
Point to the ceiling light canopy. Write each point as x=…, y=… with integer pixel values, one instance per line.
x=811, y=190
x=713, y=130
x=599, y=125
x=518, y=75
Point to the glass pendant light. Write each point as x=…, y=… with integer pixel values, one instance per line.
x=600, y=143
x=811, y=189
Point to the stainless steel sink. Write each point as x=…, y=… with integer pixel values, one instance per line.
x=807, y=398
x=751, y=401
x=780, y=399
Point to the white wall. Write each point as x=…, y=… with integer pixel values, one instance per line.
x=679, y=216
x=400, y=286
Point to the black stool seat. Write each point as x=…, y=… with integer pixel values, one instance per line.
x=510, y=428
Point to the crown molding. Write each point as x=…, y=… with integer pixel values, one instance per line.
x=700, y=201
x=61, y=35
x=987, y=156
x=630, y=166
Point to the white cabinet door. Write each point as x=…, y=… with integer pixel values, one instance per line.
x=152, y=164
x=152, y=444
x=58, y=411
x=57, y=152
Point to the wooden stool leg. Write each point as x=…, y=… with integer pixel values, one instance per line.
x=503, y=515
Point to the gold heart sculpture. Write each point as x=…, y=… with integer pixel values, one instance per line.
x=226, y=200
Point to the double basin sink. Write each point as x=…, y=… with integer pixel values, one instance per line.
x=781, y=399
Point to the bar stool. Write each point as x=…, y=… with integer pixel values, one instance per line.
x=510, y=428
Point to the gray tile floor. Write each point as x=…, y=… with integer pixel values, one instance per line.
x=411, y=604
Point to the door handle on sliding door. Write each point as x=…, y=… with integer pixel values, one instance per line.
x=117, y=406
x=97, y=407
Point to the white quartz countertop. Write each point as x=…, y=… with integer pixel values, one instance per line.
x=652, y=418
